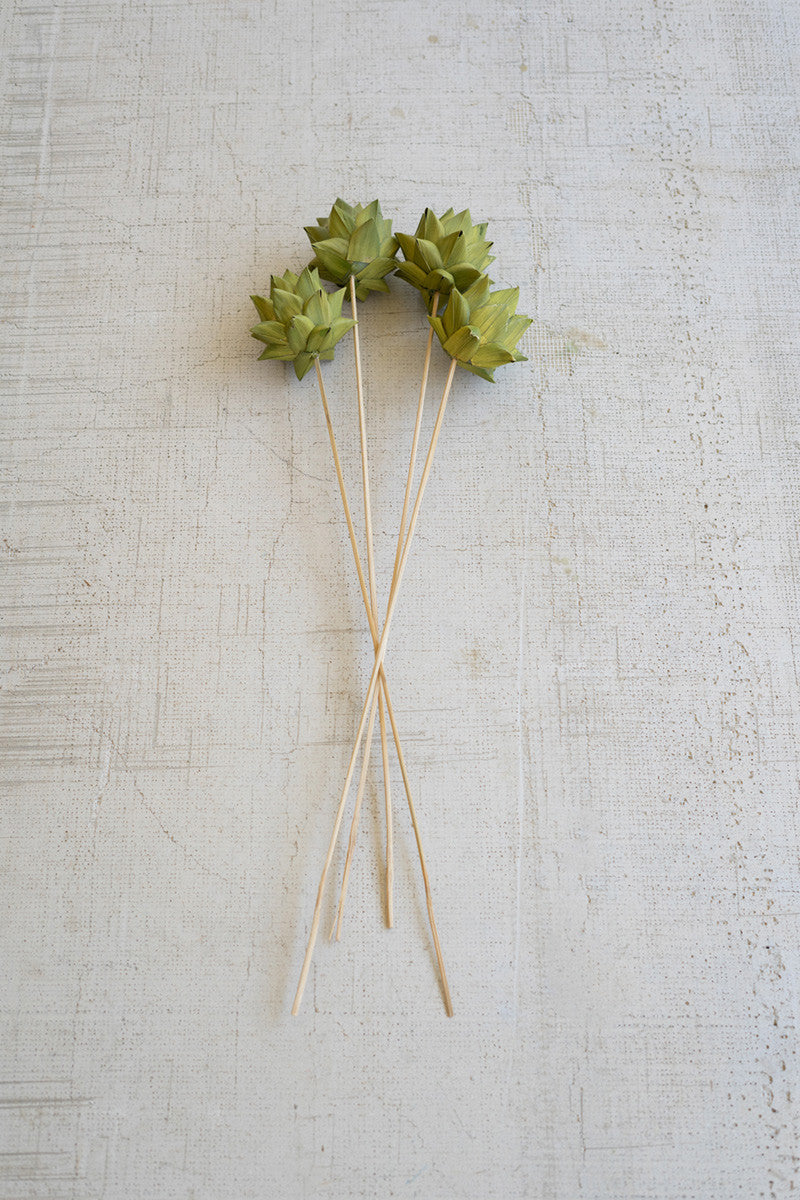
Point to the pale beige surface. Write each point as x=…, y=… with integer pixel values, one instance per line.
x=594, y=660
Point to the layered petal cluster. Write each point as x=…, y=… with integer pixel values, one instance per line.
x=300, y=321
x=354, y=240
x=445, y=252
x=481, y=329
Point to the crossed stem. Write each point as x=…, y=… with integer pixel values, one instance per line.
x=377, y=671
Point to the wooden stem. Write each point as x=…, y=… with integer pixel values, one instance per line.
x=414, y=443
x=379, y=656
x=448, y=1003
x=351, y=845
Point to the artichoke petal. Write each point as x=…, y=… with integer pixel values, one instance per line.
x=264, y=308
x=462, y=343
x=271, y=332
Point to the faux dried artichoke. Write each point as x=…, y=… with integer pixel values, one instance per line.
x=445, y=252
x=300, y=321
x=481, y=329
x=354, y=240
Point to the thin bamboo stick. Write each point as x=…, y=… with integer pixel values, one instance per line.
x=448, y=1003
x=379, y=656
x=351, y=844
x=373, y=596
x=414, y=443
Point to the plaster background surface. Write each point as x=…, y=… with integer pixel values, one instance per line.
x=594, y=662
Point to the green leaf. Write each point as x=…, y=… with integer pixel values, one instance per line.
x=484, y=372
x=370, y=212
x=338, y=222
x=308, y=283
x=336, y=332
x=412, y=274
x=439, y=281
x=286, y=305
x=427, y=255
x=448, y=244
x=477, y=293
x=371, y=285
x=462, y=343
x=364, y=244
x=514, y=329
x=318, y=309
x=464, y=275
x=408, y=245
x=286, y=282
x=335, y=302
x=389, y=246
x=317, y=339
x=271, y=332
x=334, y=264
x=438, y=327
x=341, y=326
x=297, y=333
x=456, y=314
x=264, y=308
x=508, y=297
x=491, y=356
x=461, y=220
x=430, y=226
x=281, y=353
x=492, y=318
x=303, y=364
x=378, y=268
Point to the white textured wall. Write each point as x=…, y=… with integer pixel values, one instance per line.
x=595, y=657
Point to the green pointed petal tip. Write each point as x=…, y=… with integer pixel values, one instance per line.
x=264, y=308
x=303, y=364
x=482, y=372
x=317, y=308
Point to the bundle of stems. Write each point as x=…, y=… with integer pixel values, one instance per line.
x=445, y=260
x=368, y=594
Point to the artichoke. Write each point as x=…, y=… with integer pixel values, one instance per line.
x=480, y=329
x=445, y=252
x=300, y=321
x=355, y=240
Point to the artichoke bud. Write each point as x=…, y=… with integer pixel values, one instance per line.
x=354, y=240
x=481, y=328
x=446, y=252
x=300, y=321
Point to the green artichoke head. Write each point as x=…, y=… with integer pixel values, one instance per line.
x=445, y=252
x=300, y=321
x=480, y=328
x=354, y=240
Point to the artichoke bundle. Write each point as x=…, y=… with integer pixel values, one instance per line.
x=479, y=329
